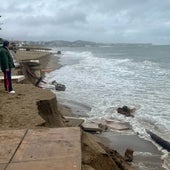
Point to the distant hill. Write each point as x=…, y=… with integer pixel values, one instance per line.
x=61, y=43
x=77, y=43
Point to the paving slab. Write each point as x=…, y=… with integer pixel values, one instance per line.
x=91, y=127
x=63, y=164
x=114, y=124
x=3, y=166
x=9, y=142
x=51, y=148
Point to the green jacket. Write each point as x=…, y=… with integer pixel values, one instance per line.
x=6, y=60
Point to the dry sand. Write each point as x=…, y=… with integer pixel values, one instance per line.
x=19, y=110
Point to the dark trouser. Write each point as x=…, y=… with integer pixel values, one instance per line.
x=7, y=80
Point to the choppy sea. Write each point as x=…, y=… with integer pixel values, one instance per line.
x=107, y=77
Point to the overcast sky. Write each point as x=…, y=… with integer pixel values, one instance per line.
x=129, y=21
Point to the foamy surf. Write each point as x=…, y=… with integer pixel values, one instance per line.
x=105, y=82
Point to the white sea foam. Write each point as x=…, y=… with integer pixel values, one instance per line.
x=106, y=82
x=110, y=82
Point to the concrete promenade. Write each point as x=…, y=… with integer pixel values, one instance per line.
x=41, y=149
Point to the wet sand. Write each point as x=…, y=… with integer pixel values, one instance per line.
x=146, y=155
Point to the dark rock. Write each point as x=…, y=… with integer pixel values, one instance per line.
x=129, y=155
x=58, y=52
x=59, y=87
x=126, y=111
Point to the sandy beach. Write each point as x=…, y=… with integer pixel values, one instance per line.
x=19, y=111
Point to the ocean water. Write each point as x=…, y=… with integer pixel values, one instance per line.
x=105, y=78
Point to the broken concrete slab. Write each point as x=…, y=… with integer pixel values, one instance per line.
x=117, y=125
x=113, y=124
x=15, y=78
x=91, y=127
x=73, y=121
x=105, y=125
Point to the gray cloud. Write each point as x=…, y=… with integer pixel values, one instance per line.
x=96, y=20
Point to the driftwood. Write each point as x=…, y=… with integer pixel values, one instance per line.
x=49, y=112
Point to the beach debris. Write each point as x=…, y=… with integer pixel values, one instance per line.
x=103, y=127
x=111, y=124
x=15, y=78
x=125, y=110
x=33, y=63
x=163, y=143
x=53, y=85
x=31, y=69
x=129, y=155
x=117, y=125
x=59, y=87
x=91, y=127
x=73, y=121
x=58, y=52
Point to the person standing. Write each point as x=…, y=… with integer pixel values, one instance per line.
x=6, y=63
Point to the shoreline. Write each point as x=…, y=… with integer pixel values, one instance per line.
x=17, y=121
x=141, y=147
